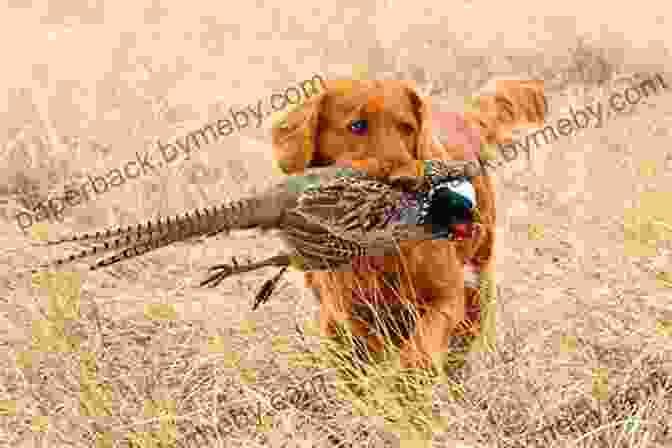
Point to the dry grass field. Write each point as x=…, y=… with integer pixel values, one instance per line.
x=139, y=356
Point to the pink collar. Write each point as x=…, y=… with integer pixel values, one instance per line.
x=451, y=128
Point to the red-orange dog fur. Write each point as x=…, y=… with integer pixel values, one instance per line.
x=399, y=133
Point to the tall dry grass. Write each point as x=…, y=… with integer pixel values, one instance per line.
x=75, y=372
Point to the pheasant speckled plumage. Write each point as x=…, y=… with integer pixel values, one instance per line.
x=327, y=216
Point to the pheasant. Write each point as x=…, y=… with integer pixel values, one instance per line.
x=328, y=216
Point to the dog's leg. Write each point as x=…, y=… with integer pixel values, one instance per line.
x=338, y=292
x=444, y=302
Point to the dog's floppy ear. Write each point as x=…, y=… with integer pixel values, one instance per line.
x=294, y=135
x=527, y=99
x=504, y=105
x=427, y=147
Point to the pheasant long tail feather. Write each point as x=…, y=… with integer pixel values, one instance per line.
x=136, y=250
x=148, y=245
x=262, y=211
x=174, y=227
x=140, y=232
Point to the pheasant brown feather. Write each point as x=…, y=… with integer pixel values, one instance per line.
x=327, y=216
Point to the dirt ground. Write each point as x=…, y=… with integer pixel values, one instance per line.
x=584, y=323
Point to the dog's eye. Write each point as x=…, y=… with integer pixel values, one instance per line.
x=359, y=127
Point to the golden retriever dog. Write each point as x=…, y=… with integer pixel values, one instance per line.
x=390, y=125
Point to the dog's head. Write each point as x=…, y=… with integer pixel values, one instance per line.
x=388, y=121
x=391, y=122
